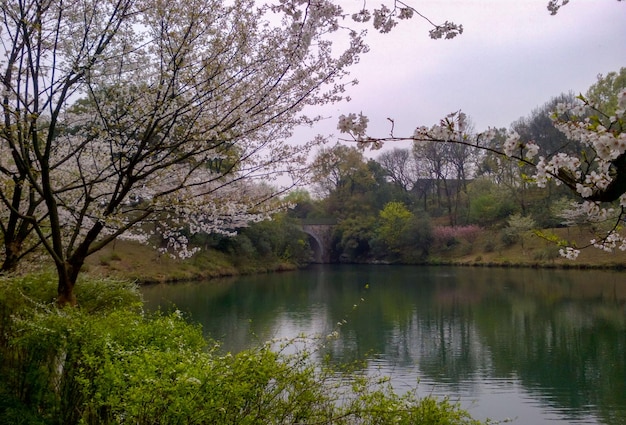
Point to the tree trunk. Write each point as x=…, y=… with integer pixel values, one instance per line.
x=12, y=240
x=68, y=273
x=12, y=256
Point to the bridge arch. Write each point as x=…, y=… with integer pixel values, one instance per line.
x=318, y=249
x=320, y=239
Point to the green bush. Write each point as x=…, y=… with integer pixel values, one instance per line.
x=110, y=363
x=354, y=238
x=549, y=253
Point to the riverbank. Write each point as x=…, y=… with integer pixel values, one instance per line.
x=136, y=262
x=530, y=250
x=131, y=261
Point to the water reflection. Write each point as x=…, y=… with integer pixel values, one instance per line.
x=543, y=345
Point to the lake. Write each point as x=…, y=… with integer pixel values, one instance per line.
x=540, y=346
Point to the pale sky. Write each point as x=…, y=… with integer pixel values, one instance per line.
x=512, y=57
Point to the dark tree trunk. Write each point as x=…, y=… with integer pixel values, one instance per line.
x=68, y=273
x=12, y=256
x=69, y=269
x=14, y=232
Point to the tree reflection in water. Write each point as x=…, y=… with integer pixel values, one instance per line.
x=558, y=335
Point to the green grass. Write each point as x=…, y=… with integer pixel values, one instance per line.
x=489, y=250
x=141, y=263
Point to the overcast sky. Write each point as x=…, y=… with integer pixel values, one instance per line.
x=512, y=57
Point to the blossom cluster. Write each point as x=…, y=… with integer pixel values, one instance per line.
x=555, y=5
x=578, y=121
x=447, y=30
x=356, y=127
x=513, y=144
x=569, y=252
x=385, y=18
x=610, y=242
x=557, y=164
x=452, y=128
x=590, y=176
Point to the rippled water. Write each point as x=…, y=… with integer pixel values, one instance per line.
x=540, y=346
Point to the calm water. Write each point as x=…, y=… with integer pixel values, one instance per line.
x=540, y=346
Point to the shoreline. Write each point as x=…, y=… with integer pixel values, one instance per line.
x=138, y=263
x=507, y=265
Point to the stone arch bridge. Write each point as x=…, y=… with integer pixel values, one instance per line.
x=320, y=238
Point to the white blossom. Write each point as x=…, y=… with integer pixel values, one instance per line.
x=354, y=125
x=532, y=150
x=569, y=253
x=512, y=144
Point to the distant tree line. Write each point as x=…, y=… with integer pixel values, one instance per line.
x=406, y=201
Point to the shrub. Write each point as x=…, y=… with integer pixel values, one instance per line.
x=549, y=253
x=508, y=238
x=518, y=225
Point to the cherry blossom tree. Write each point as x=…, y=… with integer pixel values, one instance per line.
x=124, y=118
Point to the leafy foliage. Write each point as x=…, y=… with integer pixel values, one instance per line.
x=392, y=218
x=401, y=235
x=604, y=92
x=354, y=237
x=517, y=226
x=271, y=241
x=489, y=203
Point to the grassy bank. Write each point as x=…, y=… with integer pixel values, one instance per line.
x=530, y=250
x=136, y=262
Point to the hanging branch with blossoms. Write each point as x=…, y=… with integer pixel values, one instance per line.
x=385, y=18
x=597, y=176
